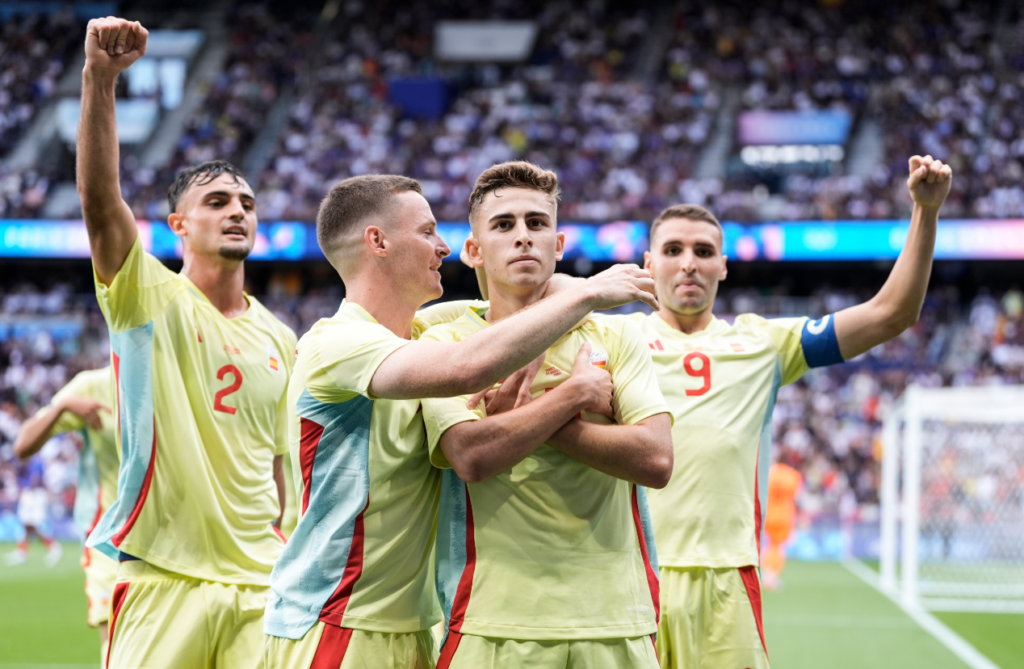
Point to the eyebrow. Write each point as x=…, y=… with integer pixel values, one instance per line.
x=224, y=193
x=529, y=214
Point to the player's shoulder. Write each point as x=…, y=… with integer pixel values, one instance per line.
x=90, y=382
x=278, y=328
x=754, y=322
x=472, y=320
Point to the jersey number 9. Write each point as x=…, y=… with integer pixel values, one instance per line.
x=702, y=372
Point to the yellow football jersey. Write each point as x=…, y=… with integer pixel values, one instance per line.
x=97, y=460
x=721, y=384
x=201, y=415
x=360, y=555
x=551, y=549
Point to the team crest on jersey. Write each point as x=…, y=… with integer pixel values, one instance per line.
x=599, y=358
x=273, y=359
x=736, y=346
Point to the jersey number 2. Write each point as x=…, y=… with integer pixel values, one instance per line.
x=218, y=399
x=702, y=372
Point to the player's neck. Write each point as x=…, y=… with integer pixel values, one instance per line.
x=686, y=323
x=385, y=301
x=505, y=302
x=222, y=284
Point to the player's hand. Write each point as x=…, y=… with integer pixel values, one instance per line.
x=929, y=181
x=87, y=409
x=513, y=392
x=113, y=44
x=591, y=384
x=621, y=284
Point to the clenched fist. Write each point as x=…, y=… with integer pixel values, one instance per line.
x=929, y=181
x=113, y=44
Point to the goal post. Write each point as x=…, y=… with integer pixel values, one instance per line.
x=952, y=496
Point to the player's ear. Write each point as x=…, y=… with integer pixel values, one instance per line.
x=559, y=245
x=649, y=262
x=725, y=269
x=472, y=252
x=176, y=222
x=376, y=241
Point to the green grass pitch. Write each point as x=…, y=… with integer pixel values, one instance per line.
x=823, y=616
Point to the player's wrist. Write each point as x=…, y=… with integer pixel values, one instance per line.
x=94, y=74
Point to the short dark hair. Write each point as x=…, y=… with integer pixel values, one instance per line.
x=200, y=175
x=354, y=199
x=693, y=212
x=514, y=174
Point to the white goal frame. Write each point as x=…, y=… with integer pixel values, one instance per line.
x=985, y=404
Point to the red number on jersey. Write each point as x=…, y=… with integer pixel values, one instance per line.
x=218, y=399
x=704, y=372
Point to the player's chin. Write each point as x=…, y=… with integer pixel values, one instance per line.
x=235, y=251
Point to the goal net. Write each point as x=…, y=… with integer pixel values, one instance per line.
x=953, y=499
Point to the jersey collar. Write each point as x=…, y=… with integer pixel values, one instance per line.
x=199, y=295
x=716, y=326
x=357, y=310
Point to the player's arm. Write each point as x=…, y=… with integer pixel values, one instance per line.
x=640, y=453
x=480, y=449
x=281, y=490
x=37, y=430
x=897, y=306
x=446, y=369
x=111, y=46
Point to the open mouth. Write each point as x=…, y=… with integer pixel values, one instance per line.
x=236, y=231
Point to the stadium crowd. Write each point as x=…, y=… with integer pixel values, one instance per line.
x=938, y=78
x=827, y=424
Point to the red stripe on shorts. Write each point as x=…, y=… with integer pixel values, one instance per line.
x=330, y=652
x=652, y=578
x=753, y=586
x=308, y=443
x=444, y=661
x=116, y=602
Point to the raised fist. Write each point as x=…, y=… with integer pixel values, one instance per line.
x=929, y=181
x=113, y=44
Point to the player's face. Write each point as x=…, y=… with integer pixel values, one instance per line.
x=418, y=250
x=515, y=239
x=218, y=219
x=687, y=263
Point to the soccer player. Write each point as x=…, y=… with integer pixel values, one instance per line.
x=200, y=371
x=780, y=518
x=33, y=501
x=545, y=556
x=355, y=585
x=83, y=406
x=720, y=380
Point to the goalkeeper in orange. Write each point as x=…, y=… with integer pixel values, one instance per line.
x=784, y=483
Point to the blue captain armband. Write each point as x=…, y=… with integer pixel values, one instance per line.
x=818, y=339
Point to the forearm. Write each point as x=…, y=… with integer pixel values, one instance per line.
x=903, y=293
x=35, y=432
x=478, y=450
x=108, y=219
x=897, y=305
x=515, y=342
x=634, y=453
